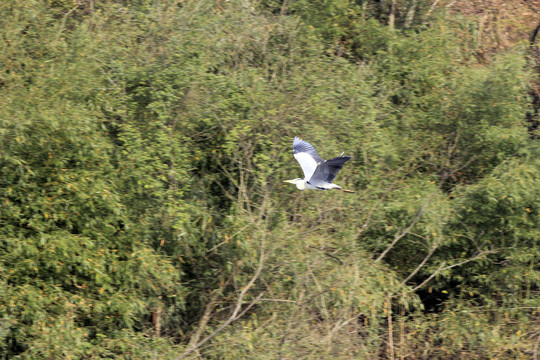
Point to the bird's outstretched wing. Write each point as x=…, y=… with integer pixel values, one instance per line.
x=306, y=156
x=327, y=170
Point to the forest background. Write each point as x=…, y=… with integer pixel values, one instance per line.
x=143, y=146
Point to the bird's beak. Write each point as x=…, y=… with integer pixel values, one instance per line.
x=288, y=181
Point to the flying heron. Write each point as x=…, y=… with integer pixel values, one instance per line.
x=318, y=173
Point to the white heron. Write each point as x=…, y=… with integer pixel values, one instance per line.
x=318, y=173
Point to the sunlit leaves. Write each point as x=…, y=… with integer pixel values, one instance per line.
x=143, y=146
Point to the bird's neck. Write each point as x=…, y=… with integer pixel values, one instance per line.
x=301, y=185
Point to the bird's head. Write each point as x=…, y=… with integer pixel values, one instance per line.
x=293, y=181
x=300, y=183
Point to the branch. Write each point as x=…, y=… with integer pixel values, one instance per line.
x=206, y=315
x=406, y=231
x=64, y=19
x=448, y=6
x=327, y=254
x=373, y=208
x=442, y=268
x=535, y=351
x=390, y=328
x=534, y=35
x=410, y=14
x=276, y=300
x=227, y=239
x=431, y=251
x=392, y=15
x=236, y=314
x=338, y=326
x=431, y=8
x=370, y=214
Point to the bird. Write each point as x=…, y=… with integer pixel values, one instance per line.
x=318, y=173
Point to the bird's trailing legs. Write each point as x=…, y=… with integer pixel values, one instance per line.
x=346, y=190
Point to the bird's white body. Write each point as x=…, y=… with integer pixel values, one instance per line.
x=302, y=184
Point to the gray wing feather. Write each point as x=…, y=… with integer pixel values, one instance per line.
x=300, y=146
x=306, y=156
x=327, y=170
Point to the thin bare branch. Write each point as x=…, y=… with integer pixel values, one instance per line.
x=392, y=15
x=390, y=328
x=449, y=5
x=274, y=300
x=443, y=268
x=209, y=308
x=64, y=20
x=237, y=313
x=228, y=238
x=374, y=207
x=406, y=231
x=410, y=14
x=338, y=326
x=426, y=258
x=431, y=8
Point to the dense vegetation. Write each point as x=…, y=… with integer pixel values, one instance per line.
x=143, y=148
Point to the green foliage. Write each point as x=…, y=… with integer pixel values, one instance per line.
x=142, y=149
